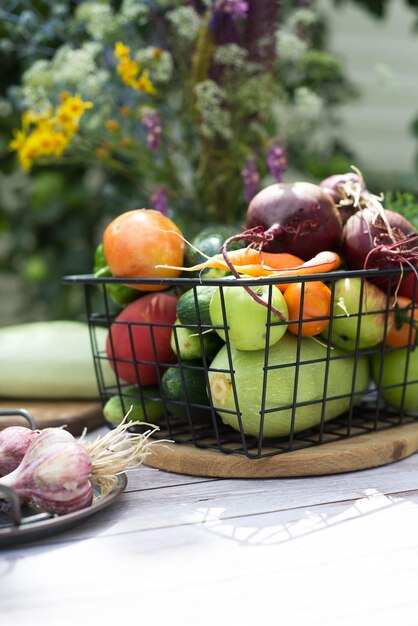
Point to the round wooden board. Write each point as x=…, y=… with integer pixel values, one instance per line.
x=346, y=455
x=74, y=415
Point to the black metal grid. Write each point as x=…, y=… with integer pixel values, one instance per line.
x=201, y=425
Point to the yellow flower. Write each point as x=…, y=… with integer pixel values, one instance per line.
x=112, y=125
x=60, y=142
x=121, y=51
x=26, y=158
x=125, y=111
x=128, y=71
x=48, y=133
x=18, y=141
x=73, y=106
x=28, y=152
x=67, y=123
x=68, y=114
x=32, y=117
x=144, y=83
x=102, y=152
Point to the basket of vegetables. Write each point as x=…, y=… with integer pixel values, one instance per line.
x=298, y=330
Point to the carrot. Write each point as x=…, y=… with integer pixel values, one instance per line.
x=257, y=264
x=316, y=304
x=250, y=261
x=326, y=261
x=323, y=262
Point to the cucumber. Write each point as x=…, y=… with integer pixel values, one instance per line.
x=151, y=410
x=186, y=386
x=120, y=294
x=187, y=343
x=209, y=241
x=186, y=306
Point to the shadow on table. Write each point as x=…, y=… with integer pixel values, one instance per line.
x=272, y=528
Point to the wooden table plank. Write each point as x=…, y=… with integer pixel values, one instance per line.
x=325, y=551
x=144, y=509
x=344, y=563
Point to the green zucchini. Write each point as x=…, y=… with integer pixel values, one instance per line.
x=187, y=343
x=209, y=242
x=51, y=360
x=188, y=312
x=250, y=383
x=150, y=409
x=186, y=387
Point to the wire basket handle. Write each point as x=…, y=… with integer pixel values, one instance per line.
x=22, y=413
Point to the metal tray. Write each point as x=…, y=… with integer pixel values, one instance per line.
x=35, y=524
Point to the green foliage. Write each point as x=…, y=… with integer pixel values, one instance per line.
x=222, y=95
x=405, y=203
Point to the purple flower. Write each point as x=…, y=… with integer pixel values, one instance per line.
x=237, y=9
x=159, y=200
x=251, y=179
x=277, y=162
x=151, y=121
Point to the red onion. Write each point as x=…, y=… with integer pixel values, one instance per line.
x=348, y=192
x=376, y=238
x=409, y=286
x=58, y=473
x=14, y=441
x=299, y=218
x=54, y=473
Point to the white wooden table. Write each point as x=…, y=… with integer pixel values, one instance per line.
x=332, y=550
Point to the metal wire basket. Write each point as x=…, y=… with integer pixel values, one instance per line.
x=312, y=394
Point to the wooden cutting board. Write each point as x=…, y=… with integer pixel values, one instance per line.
x=75, y=415
x=346, y=455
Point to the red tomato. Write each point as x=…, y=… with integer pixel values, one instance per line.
x=137, y=241
x=140, y=337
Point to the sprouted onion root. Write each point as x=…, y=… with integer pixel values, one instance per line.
x=118, y=451
x=58, y=473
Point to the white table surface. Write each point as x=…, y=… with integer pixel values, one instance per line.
x=172, y=549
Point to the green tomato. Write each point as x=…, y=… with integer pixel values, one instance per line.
x=394, y=364
x=246, y=319
x=347, y=300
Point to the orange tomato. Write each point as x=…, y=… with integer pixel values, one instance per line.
x=398, y=337
x=135, y=242
x=316, y=304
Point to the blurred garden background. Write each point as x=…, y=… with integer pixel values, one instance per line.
x=188, y=107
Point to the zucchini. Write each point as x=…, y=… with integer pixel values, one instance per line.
x=51, y=360
x=186, y=386
x=187, y=343
x=209, y=241
x=187, y=311
x=149, y=409
x=279, y=386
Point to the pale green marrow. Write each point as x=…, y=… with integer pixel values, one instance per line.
x=51, y=360
x=280, y=386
